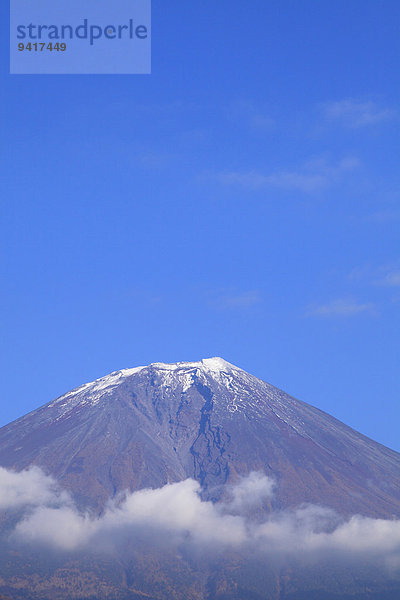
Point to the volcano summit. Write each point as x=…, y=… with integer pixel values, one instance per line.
x=198, y=429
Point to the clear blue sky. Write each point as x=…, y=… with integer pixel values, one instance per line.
x=242, y=201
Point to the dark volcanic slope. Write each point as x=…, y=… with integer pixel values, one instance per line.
x=208, y=420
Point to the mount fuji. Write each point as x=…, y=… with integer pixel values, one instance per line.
x=211, y=423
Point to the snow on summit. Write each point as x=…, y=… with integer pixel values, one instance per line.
x=213, y=365
x=183, y=372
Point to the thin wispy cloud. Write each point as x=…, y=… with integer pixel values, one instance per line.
x=247, y=179
x=304, y=182
x=155, y=160
x=252, y=116
x=390, y=279
x=341, y=308
x=236, y=299
x=313, y=176
x=357, y=113
x=382, y=276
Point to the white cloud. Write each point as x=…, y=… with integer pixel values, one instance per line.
x=341, y=308
x=250, y=491
x=29, y=488
x=362, y=535
x=175, y=513
x=357, y=113
x=296, y=531
x=313, y=176
x=63, y=527
x=317, y=532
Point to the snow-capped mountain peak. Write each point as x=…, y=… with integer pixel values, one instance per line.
x=93, y=391
x=210, y=365
x=209, y=420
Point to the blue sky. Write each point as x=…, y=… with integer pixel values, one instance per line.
x=241, y=201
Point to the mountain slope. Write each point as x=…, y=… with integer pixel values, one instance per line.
x=209, y=420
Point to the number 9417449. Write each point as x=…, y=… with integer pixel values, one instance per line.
x=42, y=46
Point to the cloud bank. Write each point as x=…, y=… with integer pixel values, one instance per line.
x=357, y=113
x=342, y=307
x=313, y=176
x=177, y=514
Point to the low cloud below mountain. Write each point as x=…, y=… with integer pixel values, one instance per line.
x=177, y=514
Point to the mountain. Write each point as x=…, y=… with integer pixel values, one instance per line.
x=147, y=426
x=214, y=423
